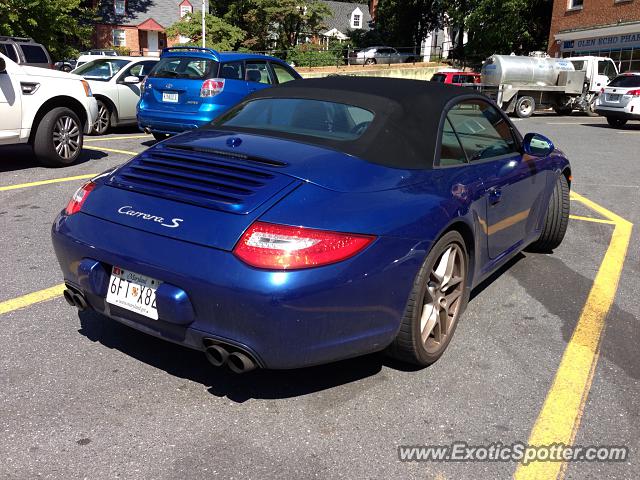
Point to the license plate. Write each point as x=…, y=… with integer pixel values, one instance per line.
x=133, y=291
x=171, y=97
x=613, y=97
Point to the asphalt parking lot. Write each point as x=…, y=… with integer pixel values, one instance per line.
x=547, y=351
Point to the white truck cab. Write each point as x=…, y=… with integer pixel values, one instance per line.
x=48, y=109
x=599, y=71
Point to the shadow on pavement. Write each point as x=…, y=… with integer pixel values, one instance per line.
x=21, y=157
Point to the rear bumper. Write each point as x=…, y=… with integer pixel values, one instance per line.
x=285, y=319
x=617, y=113
x=176, y=122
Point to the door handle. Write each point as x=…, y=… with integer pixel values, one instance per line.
x=495, y=194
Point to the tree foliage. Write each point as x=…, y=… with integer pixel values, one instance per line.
x=62, y=26
x=501, y=26
x=220, y=35
x=281, y=23
x=405, y=23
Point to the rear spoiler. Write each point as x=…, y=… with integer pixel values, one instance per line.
x=210, y=51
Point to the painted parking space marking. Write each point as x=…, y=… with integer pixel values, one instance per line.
x=561, y=413
x=110, y=150
x=31, y=299
x=591, y=219
x=46, y=182
x=105, y=139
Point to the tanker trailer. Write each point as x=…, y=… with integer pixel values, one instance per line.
x=521, y=84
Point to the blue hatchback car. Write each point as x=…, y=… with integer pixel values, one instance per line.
x=190, y=86
x=315, y=221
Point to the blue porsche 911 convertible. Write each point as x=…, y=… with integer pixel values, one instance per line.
x=315, y=221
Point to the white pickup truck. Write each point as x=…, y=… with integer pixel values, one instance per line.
x=48, y=109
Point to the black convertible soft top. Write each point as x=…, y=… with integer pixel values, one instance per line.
x=408, y=115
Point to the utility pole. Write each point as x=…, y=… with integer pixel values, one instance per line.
x=204, y=41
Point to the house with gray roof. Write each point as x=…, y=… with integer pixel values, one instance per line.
x=345, y=17
x=139, y=25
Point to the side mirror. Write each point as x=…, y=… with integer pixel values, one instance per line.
x=3, y=65
x=537, y=145
x=131, y=79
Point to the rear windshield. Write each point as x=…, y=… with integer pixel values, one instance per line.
x=295, y=116
x=185, y=67
x=102, y=70
x=626, y=81
x=438, y=77
x=34, y=54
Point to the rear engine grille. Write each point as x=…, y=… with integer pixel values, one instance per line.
x=205, y=179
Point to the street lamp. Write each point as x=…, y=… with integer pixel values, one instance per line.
x=204, y=41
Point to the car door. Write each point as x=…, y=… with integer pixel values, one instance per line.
x=257, y=75
x=514, y=184
x=606, y=72
x=129, y=93
x=10, y=103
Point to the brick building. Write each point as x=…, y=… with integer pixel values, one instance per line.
x=609, y=28
x=139, y=25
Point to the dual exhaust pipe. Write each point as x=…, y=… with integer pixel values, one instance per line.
x=75, y=299
x=237, y=361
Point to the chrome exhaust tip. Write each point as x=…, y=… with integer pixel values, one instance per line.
x=217, y=355
x=240, y=363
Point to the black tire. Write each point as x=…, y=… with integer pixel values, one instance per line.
x=45, y=145
x=563, y=110
x=409, y=346
x=103, y=122
x=370, y=61
x=159, y=136
x=616, y=122
x=591, y=108
x=556, y=219
x=525, y=106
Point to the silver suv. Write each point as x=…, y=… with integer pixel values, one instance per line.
x=25, y=51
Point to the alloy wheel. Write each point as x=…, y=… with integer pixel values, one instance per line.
x=66, y=137
x=443, y=298
x=102, y=122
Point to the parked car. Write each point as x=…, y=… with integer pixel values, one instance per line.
x=47, y=109
x=315, y=221
x=116, y=82
x=191, y=86
x=90, y=55
x=456, y=77
x=25, y=51
x=383, y=55
x=619, y=101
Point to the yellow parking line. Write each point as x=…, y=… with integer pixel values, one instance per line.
x=562, y=410
x=591, y=219
x=31, y=298
x=46, y=182
x=112, y=150
x=104, y=139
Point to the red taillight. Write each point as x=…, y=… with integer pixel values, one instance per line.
x=633, y=93
x=602, y=90
x=78, y=199
x=212, y=87
x=281, y=247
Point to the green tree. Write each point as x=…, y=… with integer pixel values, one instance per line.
x=405, y=23
x=283, y=22
x=220, y=35
x=62, y=26
x=501, y=26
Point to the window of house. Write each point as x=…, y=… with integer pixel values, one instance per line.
x=356, y=21
x=119, y=38
x=575, y=4
x=120, y=6
x=185, y=10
